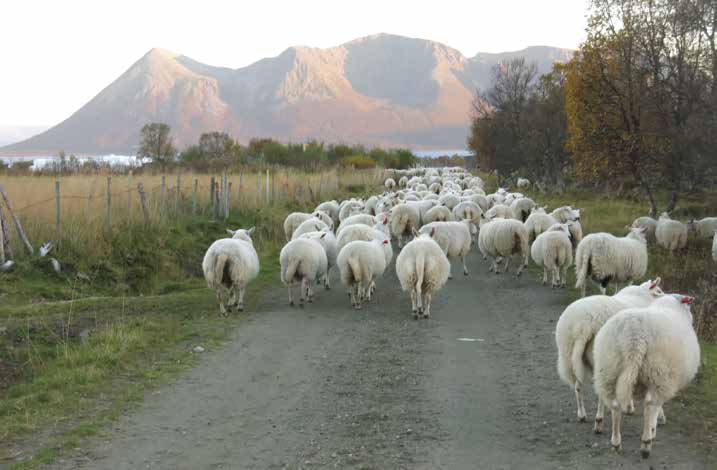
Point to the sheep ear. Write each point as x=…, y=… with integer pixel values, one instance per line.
x=323, y=235
x=657, y=281
x=250, y=231
x=628, y=228
x=414, y=232
x=433, y=231
x=231, y=232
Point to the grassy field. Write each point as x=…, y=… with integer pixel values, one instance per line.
x=76, y=348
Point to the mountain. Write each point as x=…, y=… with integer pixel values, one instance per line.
x=9, y=133
x=382, y=89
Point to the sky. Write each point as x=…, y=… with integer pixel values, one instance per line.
x=57, y=55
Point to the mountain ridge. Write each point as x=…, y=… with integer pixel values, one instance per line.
x=381, y=89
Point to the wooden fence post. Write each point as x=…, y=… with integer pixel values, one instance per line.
x=129, y=196
x=109, y=201
x=57, y=212
x=6, y=249
x=143, y=202
x=268, y=189
x=162, y=194
x=228, y=200
x=178, y=193
x=211, y=197
x=216, y=201
x=18, y=225
x=194, y=196
x=239, y=190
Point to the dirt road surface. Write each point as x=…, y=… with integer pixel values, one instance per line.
x=474, y=387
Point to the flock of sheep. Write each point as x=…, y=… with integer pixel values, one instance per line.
x=638, y=344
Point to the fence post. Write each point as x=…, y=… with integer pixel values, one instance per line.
x=228, y=200
x=268, y=189
x=129, y=196
x=211, y=197
x=162, y=194
x=239, y=190
x=178, y=193
x=194, y=196
x=143, y=202
x=18, y=225
x=57, y=211
x=5, y=249
x=216, y=201
x=109, y=201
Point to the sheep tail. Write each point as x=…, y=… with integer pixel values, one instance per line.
x=420, y=266
x=576, y=360
x=582, y=263
x=216, y=273
x=628, y=377
x=356, y=270
x=290, y=272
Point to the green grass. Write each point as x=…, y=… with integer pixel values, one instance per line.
x=78, y=348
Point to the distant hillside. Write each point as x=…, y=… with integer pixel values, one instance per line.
x=9, y=134
x=382, y=89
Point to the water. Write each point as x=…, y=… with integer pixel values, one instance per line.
x=41, y=161
x=441, y=153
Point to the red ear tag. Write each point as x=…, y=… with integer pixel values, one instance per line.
x=385, y=242
x=653, y=285
x=687, y=300
x=385, y=221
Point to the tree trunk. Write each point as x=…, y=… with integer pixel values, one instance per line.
x=673, y=202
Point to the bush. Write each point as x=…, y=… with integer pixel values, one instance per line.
x=359, y=162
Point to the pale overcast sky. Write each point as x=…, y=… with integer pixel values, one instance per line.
x=57, y=55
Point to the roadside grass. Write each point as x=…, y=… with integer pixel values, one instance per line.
x=77, y=349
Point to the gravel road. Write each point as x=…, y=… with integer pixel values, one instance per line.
x=474, y=387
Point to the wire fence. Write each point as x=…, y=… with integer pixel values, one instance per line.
x=49, y=208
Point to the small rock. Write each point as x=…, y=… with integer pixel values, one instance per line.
x=595, y=444
x=198, y=349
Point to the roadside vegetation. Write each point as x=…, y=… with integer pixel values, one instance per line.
x=130, y=304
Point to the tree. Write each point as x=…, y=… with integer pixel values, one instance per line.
x=497, y=125
x=216, y=145
x=156, y=143
x=638, y=96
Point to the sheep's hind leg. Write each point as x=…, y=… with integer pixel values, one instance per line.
x=649, y=428
x=582, y=415
x=427, y=297
x=465, y=268
x=661, y=418
x=414, y=307
x=599, y=417
x=291, y=297
x=240, y=303
x=616, y=439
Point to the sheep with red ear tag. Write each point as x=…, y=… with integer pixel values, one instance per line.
x=649, y=354
x=576, y=330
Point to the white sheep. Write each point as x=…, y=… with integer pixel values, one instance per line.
x=605, y=257
x=360, y=264
x=502, y=238
x=704, y=228
x=670, y=234
x=649, y=354
x=364, y=219
x=454, y=238
x=438, y=214
x=331, y=208
x=522, y=208
x=500, y=211
x=566, y=214
x=482, y=201
x=467, y=210
x=349, y=208
x=577, y=327
x=303, y=261
x=292, y=222
x=329, y=243
x=403, y=220
x=538, y=222
x=449, y=200
x=402, y=182
x=390, y=184
x=553, y=251
x=422, y=269
x=309, y=225
x=523, y=183
x=649, y=224
x=229, y=265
